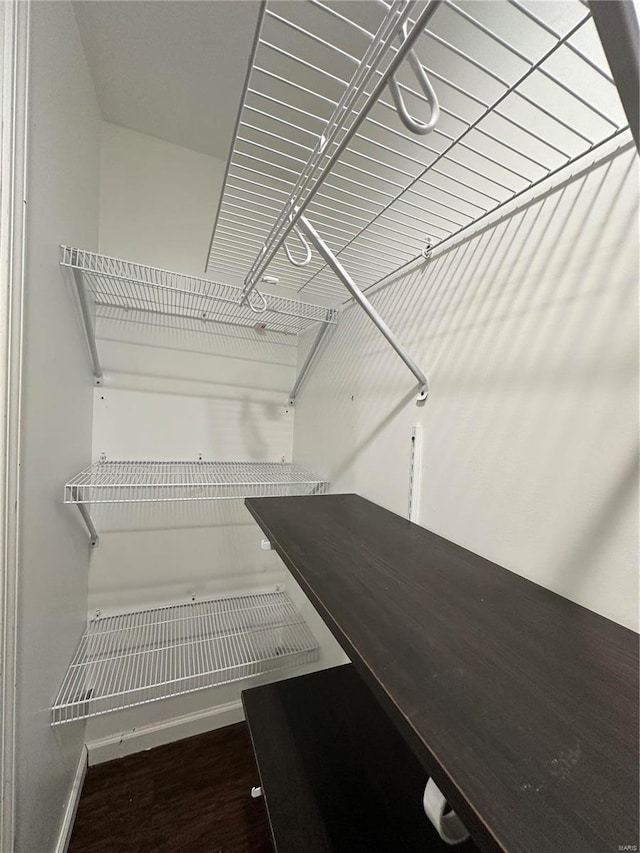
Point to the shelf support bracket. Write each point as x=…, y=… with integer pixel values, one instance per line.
x=88, y=324
x=322, y=331
x=364, y=303
x=617, y=26
x=84, y=512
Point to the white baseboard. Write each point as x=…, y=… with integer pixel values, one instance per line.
x=167, y=731
x=64, y=836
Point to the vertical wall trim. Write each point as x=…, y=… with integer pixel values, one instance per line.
x=415, y=470
x=14, y=55
x=64, y=837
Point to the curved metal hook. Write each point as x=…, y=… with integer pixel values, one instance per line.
x=414, y=124
x=254, y=308
x=307, y=249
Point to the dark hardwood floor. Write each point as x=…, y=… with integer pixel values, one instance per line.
x=192, y=796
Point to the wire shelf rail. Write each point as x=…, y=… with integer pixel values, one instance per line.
x=134, y=658
x=153, y=482
x=105, y=284
x=523, y=91
x=115, y=283
x=130, y=482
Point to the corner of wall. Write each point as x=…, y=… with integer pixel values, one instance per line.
x=62, y=207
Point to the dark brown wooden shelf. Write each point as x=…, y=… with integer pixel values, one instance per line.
x=522, y=705
x=335, y=772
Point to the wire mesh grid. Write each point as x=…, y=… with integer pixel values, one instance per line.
x=524, y=90
x=115, y=283
x=127, y=482
x=134, y=658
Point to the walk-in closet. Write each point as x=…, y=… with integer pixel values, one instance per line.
x=320, y=425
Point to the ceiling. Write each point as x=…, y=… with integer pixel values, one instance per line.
x=174, y=70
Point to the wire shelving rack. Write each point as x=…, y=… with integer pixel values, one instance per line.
x=105, y=283
x=523, y=91
x=143, y=481
x=134, y=658
x=129, y=482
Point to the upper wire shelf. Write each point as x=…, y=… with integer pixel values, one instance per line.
x=524, y=90
x=133, y=658
x=115, y=283
x=132, y=482
x=105, y=285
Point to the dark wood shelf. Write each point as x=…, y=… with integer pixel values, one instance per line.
x=522, y=705
x=335, y=772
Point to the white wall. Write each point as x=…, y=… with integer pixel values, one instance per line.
x=175, y=394
x=62, y=207
x=529, y=334
x=157, y=200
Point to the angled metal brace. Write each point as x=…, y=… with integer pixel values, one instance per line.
x=617, y=26
x=88, y=324
x=322, y=331
x=362, y=300
x=84, y=512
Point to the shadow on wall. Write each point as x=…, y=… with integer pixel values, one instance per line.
x=201, y=548
x=193, y=335
x=170, y=515
x=584, y=552
x=528, y=333
x=252, y=426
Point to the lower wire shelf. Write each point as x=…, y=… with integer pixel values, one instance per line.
x=139, y=657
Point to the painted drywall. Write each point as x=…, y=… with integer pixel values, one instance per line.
x=529, y=334
x=62, y=206
x=157, y=200
x=173, y=70
x=181, y=394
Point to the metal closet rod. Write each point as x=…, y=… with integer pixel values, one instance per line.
x=295, y=206
x=443, y=155
x=437, y=76
x=513, y=50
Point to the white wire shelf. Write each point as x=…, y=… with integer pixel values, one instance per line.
x=129, y=482
x=524, y=90
x=115, y=283
x=134, y=658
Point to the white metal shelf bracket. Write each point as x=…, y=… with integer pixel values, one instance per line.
x=84, y=512
x=88, y=324
x=364, y=303
x=315, y=346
